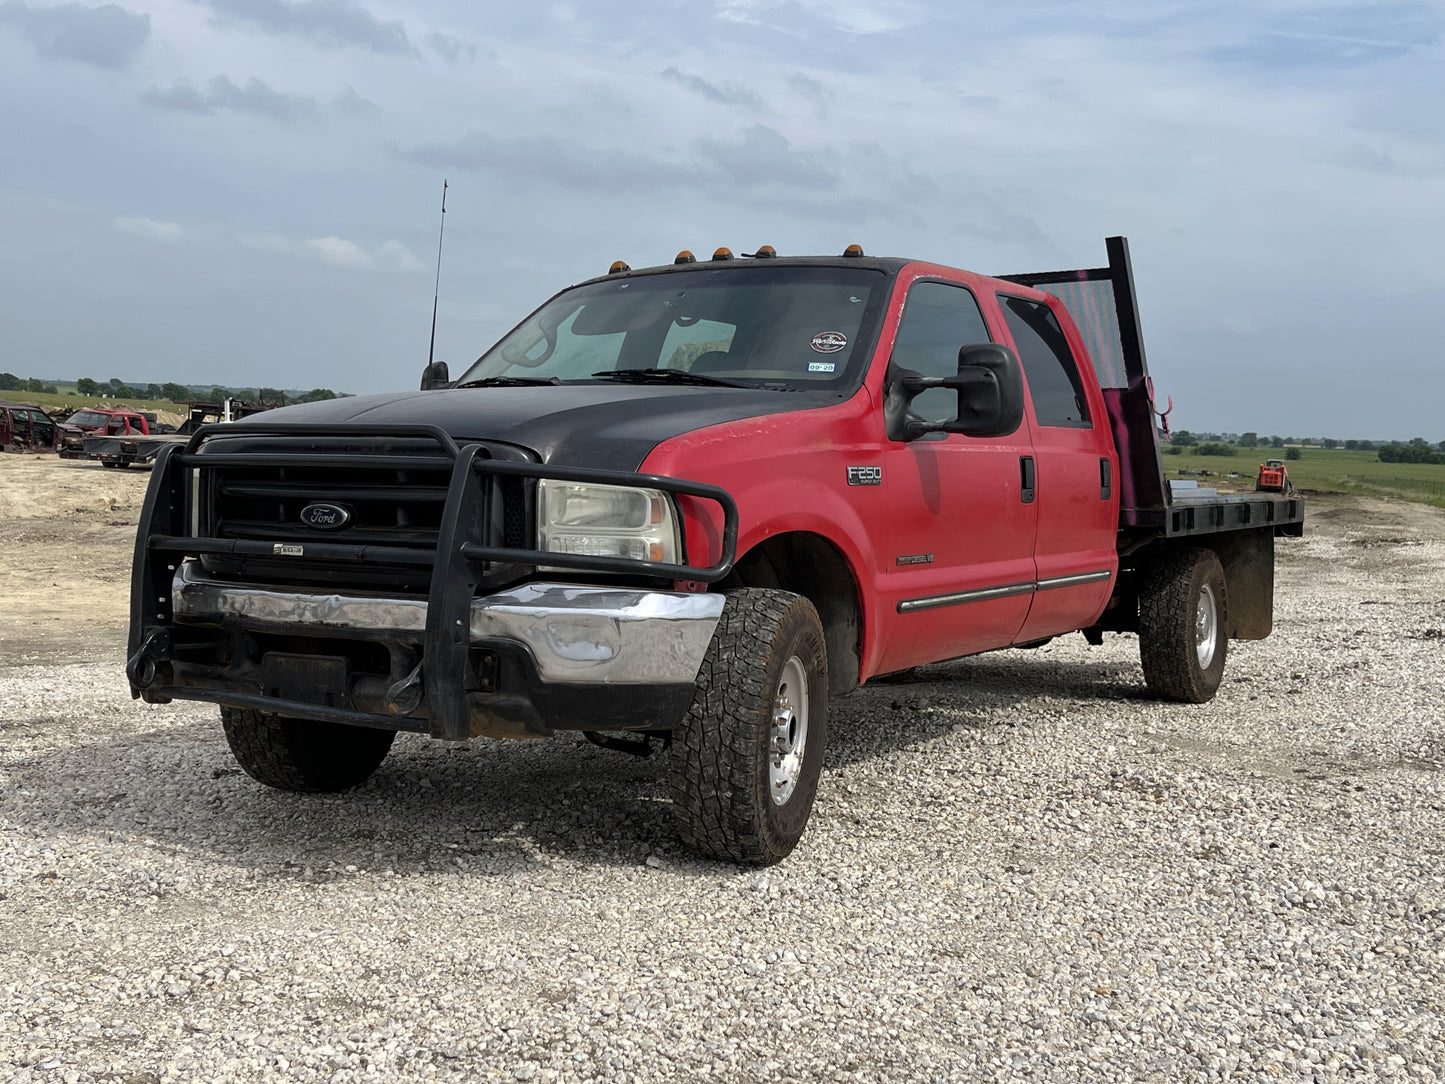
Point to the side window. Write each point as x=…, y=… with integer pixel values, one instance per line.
x=938, y=318
x=1049, y=367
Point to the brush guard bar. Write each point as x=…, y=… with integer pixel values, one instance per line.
x=458, y=562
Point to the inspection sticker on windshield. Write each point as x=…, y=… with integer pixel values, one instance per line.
x=822, y=366
x=829, y=342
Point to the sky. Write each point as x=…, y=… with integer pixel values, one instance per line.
x=247, y=192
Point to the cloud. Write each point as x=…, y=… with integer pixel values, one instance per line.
x=762, y=156
x=851, y=16
x=105, y=37
x=546, y=158
x=352, y=103
x=722, y=93
x=759, y=158
x=337, y=251
x=220, y=93
x=340, y=252
x=453, y=49
x=332, y=24
x=398, y=257
x=805, y=86
x=148, y=227
x=1333, y=37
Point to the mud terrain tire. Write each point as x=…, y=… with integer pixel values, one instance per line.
x=746, y=759
x=303, y=755
x=1184, y=625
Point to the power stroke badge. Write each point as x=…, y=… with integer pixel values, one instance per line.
x=865, y=476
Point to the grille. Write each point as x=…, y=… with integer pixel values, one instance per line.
x=387, y=505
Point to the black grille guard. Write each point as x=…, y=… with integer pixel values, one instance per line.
x=458, y=561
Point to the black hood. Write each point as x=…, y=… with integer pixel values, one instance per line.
x=611, y=426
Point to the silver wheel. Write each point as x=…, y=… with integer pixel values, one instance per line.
x=1206, y=626
x=790, y=731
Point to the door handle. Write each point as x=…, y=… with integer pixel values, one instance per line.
x=1106, y=480
x=1026, y=479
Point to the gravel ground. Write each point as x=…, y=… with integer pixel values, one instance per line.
x=1020, y=868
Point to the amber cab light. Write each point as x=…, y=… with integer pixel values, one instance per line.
x=618, y=266
x=685, y=257
x=853, y=250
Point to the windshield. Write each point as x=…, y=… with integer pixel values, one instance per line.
x=789, y=328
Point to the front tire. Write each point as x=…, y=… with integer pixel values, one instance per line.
x=1184, y=625
x=303, y=755
x=746, y=759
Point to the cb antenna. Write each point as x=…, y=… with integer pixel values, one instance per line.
x=431, y=350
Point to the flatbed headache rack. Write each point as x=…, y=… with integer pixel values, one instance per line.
x=457, y=562
x=1103, y=304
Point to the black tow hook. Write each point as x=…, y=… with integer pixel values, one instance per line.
x=140, y=668
x=639, y=748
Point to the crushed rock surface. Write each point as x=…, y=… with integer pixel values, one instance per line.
x=1020, y=867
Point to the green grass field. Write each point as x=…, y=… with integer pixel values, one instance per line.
x=71, y=398
x=1335, y=471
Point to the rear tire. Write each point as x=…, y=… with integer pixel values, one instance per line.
x=303, y=755
x=1184, y=625
x=746, y=759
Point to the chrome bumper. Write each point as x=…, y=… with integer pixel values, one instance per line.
x=612, y=635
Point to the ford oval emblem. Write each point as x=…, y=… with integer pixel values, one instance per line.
x=323, y=516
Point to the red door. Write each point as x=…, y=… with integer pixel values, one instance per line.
x=959, y=568
x=1075, y=548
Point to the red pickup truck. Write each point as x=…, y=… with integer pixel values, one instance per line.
x=94, y=421
x=687, y=505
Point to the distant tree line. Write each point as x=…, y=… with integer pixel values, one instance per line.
x=115, y=388
x=1416, y=450
x=11, y=382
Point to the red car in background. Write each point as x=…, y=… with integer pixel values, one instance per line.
x=95, y=421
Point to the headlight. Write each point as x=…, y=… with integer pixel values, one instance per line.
x=606, y=521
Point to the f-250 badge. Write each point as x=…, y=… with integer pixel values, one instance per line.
x=865, y=476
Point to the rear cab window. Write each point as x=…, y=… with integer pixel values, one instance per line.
x=1050, y=369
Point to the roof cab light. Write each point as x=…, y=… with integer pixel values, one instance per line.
x=685, y=257
x=853, y=251
x=723, y=254
x=618, y=266
x=765, y=252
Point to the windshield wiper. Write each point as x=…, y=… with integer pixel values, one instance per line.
x=665, y=376
x=510, y=381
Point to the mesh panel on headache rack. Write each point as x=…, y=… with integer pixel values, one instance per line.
x=1091, y=303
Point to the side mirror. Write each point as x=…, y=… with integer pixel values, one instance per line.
x=435, y=375
x=990, y=388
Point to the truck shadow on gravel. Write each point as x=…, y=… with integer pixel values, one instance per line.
x=978, y=694
x=488, y=808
